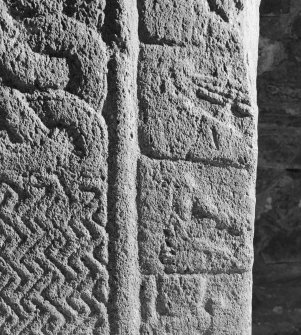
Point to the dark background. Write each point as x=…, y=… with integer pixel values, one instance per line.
x=277, y=268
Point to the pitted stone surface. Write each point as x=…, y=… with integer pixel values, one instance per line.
x=53, y=173
x=195, y=304
x=197, y=133
x=41, y=42
x=190, y=114
x=195, y=107
x=127, y=166
x=190, y=223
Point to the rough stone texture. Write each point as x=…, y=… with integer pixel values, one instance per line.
x=127, y=166
x=197, y=134
x=277, y=306
x=189, y=223
x=53, y=172
x=196, y=304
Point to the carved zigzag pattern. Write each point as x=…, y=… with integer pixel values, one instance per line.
x=53, y=147
x=50, y=280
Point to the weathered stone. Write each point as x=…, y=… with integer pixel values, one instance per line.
x=192, y=107
x=53, y=174
x=188, y=113
x=191, y=224
x=195, y=304
x=197, y=134
x=190, y=22
x=127, y=166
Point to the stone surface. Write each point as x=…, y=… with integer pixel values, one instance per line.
x=277, y=231
x=189, y=223
x=196, y=304
x=197, y=135
x=128, y=156
x=53, y=173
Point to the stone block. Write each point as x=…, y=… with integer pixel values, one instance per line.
x=189, y=22
x=127, y=166
x=196, y=304
x=194, y=218
x=188, y=112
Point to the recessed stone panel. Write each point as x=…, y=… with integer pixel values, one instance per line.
x=196, y=304
x=194, y=108
x=194, y=218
